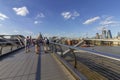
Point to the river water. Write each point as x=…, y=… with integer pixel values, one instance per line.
x=106, y=49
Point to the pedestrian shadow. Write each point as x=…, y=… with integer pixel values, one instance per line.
x=38, y=74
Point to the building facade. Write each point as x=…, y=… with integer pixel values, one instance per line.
x=109, y=35
x=104, y=36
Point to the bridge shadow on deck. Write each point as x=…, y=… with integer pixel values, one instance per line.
x=18, y=65
x=10, y=54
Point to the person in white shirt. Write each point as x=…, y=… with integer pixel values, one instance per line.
x=27, y=44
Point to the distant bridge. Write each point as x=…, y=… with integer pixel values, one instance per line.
x=113, y=40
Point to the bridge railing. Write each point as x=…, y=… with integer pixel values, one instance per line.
x=59, y=50
x=9, y=46
x=90, y=63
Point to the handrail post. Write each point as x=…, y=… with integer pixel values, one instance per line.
x=55, y=48
x=1, y=50
x=61, y=51
x=52, y=47
x=11, y=48
x=75, y=58
x=17, y=46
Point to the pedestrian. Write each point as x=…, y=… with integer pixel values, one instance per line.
x=37, y=46
x=46, y=43
x=27, y=44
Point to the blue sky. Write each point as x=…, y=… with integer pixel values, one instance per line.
x=71, y=18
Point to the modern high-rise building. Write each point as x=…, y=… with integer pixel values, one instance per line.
x=109, y=35
x=118, y=35
x=97, y=36
x=104, y=36
x=100, y=36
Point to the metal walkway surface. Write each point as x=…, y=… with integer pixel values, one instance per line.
x=31, y=66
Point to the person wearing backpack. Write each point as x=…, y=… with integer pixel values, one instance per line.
x=27, y=44
x=46, y=42
x=37, y=46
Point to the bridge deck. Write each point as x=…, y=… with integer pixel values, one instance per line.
x=30, y=66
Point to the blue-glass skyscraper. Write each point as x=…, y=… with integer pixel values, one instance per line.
x=109, y=35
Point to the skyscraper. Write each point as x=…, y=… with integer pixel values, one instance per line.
x=97, y=36
x=118, y=35
x=109, y=35
x=104, y=36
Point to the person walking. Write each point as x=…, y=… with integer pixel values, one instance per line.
x=27, y=44
x=38, y=43
x=37, y=46
x=46, y=44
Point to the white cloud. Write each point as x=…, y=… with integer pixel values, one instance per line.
x=66, y=15
x=75, y=14
x=100, y=28
x=109, y=18
x=3, y=16
x=89, y=21
x=22, y=11
x=40, y=15
x=108, y=22
x=70, y=15
x=37, y=22
x=23, y=32
x=4, y=33
x=16, y=31
x=27, y=32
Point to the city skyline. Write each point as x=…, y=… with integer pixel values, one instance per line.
x=70, y=18
x=105, y=34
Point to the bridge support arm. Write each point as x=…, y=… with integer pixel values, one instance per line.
x=75, y=58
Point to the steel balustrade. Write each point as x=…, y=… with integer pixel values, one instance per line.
x=105, y=64
x=58, y=47
x=8, y=45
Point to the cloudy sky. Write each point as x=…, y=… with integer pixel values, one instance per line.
x=72, y=18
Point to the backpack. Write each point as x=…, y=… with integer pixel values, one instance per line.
x=41, y=41
x=28, y=41
x=47, y=41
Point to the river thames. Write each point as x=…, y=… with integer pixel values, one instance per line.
x=106, y=49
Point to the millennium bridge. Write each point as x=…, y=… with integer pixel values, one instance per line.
x=60, y=62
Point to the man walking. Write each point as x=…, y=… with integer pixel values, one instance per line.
x=27, y=44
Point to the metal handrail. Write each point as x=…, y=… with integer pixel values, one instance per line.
x=11, y=46
x=71, y=49
x=90, y=51
x=101, y=62
x=73, y=70
x=8, y=42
